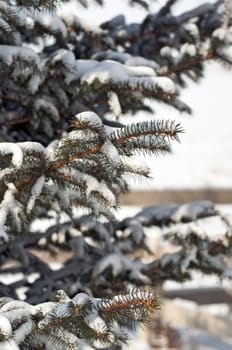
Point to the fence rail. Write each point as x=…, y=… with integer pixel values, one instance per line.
x=153, y=197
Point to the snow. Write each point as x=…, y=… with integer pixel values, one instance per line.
x=51, y=21
x=45, y=308
x=95, y=322
x=93, y=185
x=165, y=51
x=105, y=71
x=219, y=33
x=35, y=192
x=152, y=84
x=17, y=153
x=192, y=29
x=9, y=345
x=111, y=152
x=140, y=61
x=86, y=24
x=65, y=56
x=137, y=165
x=165, y=84
x=226, y=51
x=9, y=53
x=34, y=83
x=136, y=77
x=114, y=103
x=23, y=330
x=197, y=162
x=44, y=105
x=5, y=326
x=191, y=257
x=189, y=49
x=204, y=48
x=81, y=299
x=9, y=205
x=192, y=210
x=136, y=344
x=91, y=119
x=140, y=71
x=29, y=146
x=84, y=66
x=117, y=262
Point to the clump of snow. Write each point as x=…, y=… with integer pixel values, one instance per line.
x=190, y=257
x=5, y=327
x=45, y=308
x=44, y=105
x=65, y=56
x=166, y=51
x=140, y=71
x=15, y=150
x=10, y=53
x=51, y=21
x=9, y=205
x=191, y=211
x=69, y=65
x=81, y=299
x=204, y=48
x=87, y=25
x=188, y=49
x=9, y=344
x=23, y=330
x=34, y=83
x=219, y=33
x=35, y=192
x=192, y=29
x=165, y=84
x=136, y=164
x=94, y=321
x=119, y=264
x=111, y=152
x=140, y=61
x=90, y=119
x=29, y=146
x=92, y=185
x=135, y=77
x=104, y=72
x=114, y=104
x=226, y=52
x=155, y=214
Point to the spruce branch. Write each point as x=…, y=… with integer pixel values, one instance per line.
x=135, y=306
x=70, y=323
x=181, y=67
x=39, y=4
x=28, y=169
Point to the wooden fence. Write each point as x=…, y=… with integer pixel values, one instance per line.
x=153, y=197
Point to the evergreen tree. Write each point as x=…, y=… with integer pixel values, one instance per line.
x=64, y=84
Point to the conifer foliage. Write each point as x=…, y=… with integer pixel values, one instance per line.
x=64, y=85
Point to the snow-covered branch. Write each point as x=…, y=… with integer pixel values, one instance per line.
x=71, y=163
x=71, y=323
